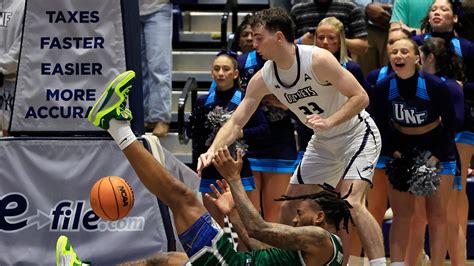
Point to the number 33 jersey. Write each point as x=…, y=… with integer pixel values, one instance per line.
x=305, y=94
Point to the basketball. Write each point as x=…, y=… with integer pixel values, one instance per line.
x=111, y=198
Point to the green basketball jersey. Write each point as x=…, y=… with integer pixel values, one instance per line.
x=222, y=253
x=338, y=256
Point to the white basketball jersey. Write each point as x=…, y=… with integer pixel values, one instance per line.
x=308, y=95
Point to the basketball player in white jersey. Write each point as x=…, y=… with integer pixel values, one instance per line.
x=327, y=98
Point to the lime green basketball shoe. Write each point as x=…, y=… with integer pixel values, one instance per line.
x=113, y=101
x=65, y=255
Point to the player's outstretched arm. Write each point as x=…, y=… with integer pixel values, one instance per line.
x=225, y=203
x=311, y=239
x=327, y=69
x=232, y=129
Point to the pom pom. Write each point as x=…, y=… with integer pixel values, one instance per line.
x=424, y=180
x=413, y=173
x=274, y=114
x=215, y=120
x=398, y=171
x=196, y=129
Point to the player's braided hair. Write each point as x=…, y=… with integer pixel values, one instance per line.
x=336, y=208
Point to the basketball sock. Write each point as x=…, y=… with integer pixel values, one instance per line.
x=355, y=260
x=121, y=133
x=378, y=261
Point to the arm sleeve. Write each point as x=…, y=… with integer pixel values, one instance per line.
x=381, y=116
x=357, y=72
x=447, y=112
x=370, y=81
x=371, y=78
x=458, y=100
x=357, y=25
x=257, y=125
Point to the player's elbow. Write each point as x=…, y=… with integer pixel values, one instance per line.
x=365, y=100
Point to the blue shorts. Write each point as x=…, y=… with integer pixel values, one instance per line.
x=199, y=235
x=205, y=185
x=273, y=165
x=447, y=168
x=382, y=162
x=465, y=137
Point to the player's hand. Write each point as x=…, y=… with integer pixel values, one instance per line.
x=397, y=155
x=317, y=122
x=433, y=161
x=204, y=161
x=223, y=200
x=226, y=165
x=401, y=24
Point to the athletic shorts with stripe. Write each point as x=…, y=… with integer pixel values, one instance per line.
x=352, y=155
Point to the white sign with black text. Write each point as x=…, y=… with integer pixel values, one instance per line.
x=70, y=51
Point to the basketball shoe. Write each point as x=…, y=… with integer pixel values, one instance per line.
x=65, y=255
x=113, y=101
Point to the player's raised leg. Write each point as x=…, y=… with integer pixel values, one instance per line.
x=110, y=113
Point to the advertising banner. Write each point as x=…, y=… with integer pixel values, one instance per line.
x=70, y=51
x=44, y=193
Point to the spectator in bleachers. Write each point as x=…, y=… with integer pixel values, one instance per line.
x=308, y=14
x=156, y=23
x=202, y=127
x=437, y=59
x=408, y=92
x=409, y=14
x=243, y=36
x=330, y=35
x=377, y=14
x=10, y=42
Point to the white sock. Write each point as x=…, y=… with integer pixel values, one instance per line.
x=398, y=263
x=379, y=261
x=121, y=132
x=355, y=260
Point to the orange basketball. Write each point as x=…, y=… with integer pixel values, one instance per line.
x=111, y=198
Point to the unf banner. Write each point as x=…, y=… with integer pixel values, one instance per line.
x=70, y=51
x=44, y=193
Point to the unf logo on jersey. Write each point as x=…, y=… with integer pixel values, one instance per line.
x=5, y=17
x=408, y=115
